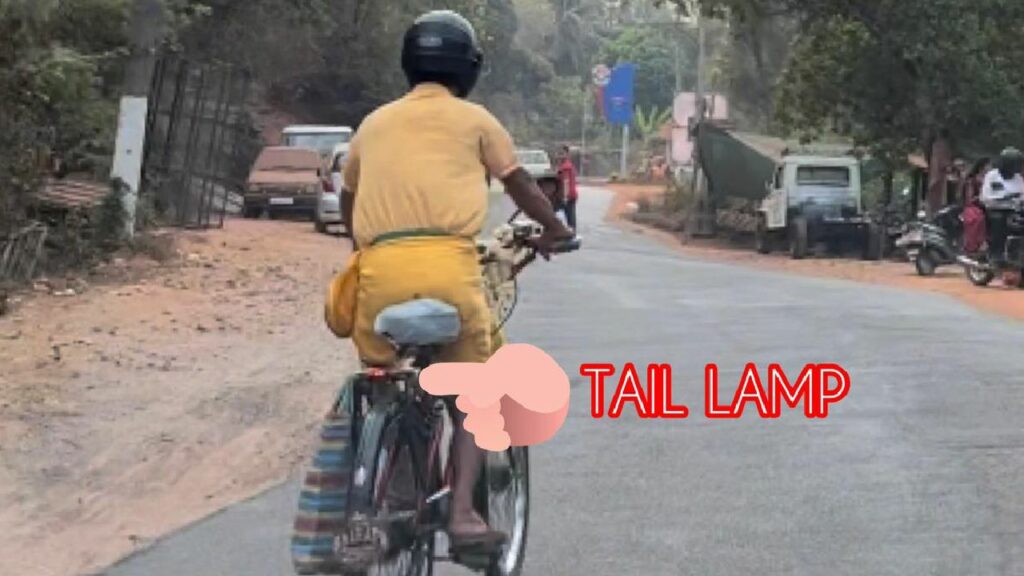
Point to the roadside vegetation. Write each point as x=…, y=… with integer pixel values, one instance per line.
x=62, y=72
x=893, y=76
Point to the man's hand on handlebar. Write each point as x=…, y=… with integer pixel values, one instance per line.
x=553, y=241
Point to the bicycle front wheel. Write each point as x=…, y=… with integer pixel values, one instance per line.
x=507, y=479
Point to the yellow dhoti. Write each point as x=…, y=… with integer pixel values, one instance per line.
x=440, y=268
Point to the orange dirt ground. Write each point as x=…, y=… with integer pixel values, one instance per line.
x=130, y=410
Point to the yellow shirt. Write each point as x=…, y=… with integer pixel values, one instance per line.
x=421, y=162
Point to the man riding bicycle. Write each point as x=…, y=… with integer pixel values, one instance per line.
x=415, y=200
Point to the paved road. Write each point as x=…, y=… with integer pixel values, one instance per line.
x=917, y=472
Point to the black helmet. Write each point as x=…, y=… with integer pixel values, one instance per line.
x=441, y=46
x=1011, y=163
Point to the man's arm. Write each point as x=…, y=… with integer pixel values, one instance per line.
x=499, y=157
x=349, y=188
x=348, y=202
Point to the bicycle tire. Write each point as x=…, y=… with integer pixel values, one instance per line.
x=394, y=442
x=384, y=438
x=491, y=479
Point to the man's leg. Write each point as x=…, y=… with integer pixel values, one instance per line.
x=570, y=214
x=468, y=460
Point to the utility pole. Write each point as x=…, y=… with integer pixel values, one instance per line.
x=624, y=160
x=701, y=57
x=146, y=30
x=583, y=131
x=677, y=39
x=699, y=224
x=677, y=43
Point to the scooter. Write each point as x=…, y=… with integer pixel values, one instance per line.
x=982, y=270
x=934, y=243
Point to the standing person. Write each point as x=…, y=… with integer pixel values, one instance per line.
x=975, y=231
x=415, y=225
x=567, y=173
x=970, y=189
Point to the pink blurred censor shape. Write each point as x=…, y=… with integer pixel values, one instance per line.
x=518, y=398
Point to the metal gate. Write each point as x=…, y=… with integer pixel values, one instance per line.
x=199, y=144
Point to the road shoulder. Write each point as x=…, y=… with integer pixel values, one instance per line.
x=950, y=281
x=129, y=411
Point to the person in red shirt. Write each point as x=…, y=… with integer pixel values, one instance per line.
x=975, y=231
x=567, y=172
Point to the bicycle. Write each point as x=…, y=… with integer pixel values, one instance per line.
x=399, y=492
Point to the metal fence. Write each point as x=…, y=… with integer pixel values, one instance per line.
x=21, y=252
x=199, y=142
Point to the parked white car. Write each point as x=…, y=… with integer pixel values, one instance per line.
x=537, y=162
x=539, y=165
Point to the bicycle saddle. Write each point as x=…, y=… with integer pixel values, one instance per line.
x=419, y=323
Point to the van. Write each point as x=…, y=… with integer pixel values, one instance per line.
x=326, y=140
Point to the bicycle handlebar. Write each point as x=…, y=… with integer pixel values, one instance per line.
x=560, y=247
x=566, y=246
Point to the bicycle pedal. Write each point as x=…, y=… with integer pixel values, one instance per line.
x=357, y=559
x=476, y=560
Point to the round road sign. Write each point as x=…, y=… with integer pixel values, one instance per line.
x=602, y=75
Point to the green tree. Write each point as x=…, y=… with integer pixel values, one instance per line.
x=652, y=51
x=649, y=124
x=895, y=75
x=747, y=56
x=55, y=84
x=580, y=28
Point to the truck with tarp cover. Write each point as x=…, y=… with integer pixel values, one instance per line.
x=784, y=193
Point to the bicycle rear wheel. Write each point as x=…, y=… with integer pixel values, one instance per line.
x=406, y=550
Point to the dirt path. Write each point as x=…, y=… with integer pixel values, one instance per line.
x=132, y=410
x=949, y=281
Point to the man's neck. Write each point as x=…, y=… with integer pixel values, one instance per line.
x=432, y=87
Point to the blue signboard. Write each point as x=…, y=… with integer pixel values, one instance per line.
x=618, y=95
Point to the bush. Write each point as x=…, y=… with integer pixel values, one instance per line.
x=679, y=197
x=56, y=86
x=111, y=219
x=83, y=238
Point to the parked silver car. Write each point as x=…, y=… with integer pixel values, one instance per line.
x=328, y=204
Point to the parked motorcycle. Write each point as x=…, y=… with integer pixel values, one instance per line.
x=984, y=268
x=930, y=244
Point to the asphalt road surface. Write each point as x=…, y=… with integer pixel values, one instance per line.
x=917, y=472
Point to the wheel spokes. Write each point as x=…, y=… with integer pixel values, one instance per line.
x=507, y=506
x=404, y=553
